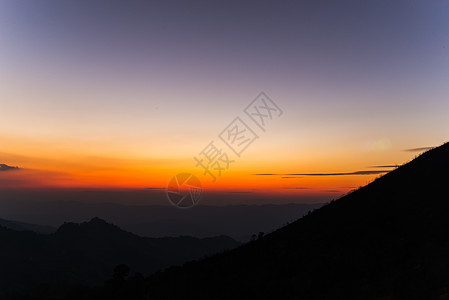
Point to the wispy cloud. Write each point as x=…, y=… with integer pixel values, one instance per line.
x=267, y=174
x=421, y=149
x=385, y=166
x=296, y=188
x=4, y=167
x=290, y=177
x=243, y=192
x=34, y=178
x=365, y=172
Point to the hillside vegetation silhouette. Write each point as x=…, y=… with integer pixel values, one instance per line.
x=387, y=240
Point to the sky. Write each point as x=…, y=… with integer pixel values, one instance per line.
x=125, y=94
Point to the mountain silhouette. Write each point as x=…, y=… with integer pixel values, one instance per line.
x=387, y=240
x=87, y=253
x=56, y=207
x=21, y=226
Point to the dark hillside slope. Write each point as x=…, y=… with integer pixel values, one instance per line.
x=387, y=240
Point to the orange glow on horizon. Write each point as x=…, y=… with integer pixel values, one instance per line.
x=49, y=166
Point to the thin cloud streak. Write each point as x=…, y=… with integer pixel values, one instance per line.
x=385, y=166
x=329, y=174
x=419, y=149
x=4, y=167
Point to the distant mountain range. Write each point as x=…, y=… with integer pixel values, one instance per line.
x=237, y=221
x=87, y=253
x=22, y=226
x=387, y=240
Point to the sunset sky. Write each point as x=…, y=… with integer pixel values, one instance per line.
x=124, y=94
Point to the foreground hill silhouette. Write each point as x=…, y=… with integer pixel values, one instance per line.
x=87, y=253
x=387, y=240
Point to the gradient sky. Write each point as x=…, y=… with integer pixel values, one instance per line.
x=122, y=94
